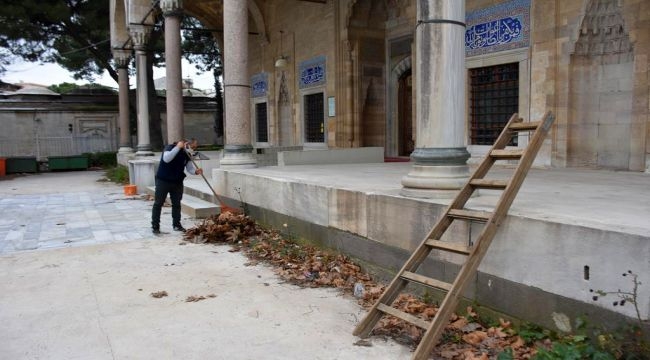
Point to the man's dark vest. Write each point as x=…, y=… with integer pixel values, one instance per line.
x=173, y=171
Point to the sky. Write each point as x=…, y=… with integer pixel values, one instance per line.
x=51, y=74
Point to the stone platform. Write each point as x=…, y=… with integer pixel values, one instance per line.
x=568, y=231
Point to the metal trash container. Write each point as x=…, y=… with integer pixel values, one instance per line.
x=21, y=164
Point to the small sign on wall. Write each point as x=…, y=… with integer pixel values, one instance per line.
x=331, y=106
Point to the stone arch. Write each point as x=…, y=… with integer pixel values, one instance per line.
x=350, y=12
x=139, y=11
x=118, y=20
x=392, y=123
x=258, y=19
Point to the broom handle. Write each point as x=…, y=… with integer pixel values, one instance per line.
x=203, y=176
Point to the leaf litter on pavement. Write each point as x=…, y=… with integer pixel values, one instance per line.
x=465, y=337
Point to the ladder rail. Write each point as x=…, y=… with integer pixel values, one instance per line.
x=466, y=190
x=485, y=165
x=366, y=325
x=448, y=305
x=456, y=210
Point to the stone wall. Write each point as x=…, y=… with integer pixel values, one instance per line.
x=601, y=109
x=297, y=31
x=54, y=125
x=57, y=125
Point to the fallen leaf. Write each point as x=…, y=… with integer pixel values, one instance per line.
x=519, y=342
x=193, y=298
x=458, y=324
x=504, y=324
x=158, y=294
x=475, y=338
x=496, y=332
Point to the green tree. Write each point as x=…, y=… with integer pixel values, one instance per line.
x=72, y=33
x=76, y=35
x=63, y=88
x=200, y=48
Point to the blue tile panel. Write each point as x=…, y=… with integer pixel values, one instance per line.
x=497, y=28
x=312, y=72
x=259, y=84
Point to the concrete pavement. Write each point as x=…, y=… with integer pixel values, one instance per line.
x=78, y=264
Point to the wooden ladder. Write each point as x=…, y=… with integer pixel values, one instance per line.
x=475, y=252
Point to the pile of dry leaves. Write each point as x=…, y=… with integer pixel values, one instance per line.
x=464, y=338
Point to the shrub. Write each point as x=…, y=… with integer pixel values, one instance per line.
x=118, y=174
x=102, y=159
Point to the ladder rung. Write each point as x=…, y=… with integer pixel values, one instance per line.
x=449, y=246
x=507, y=154
x=489, y=184
x=404, y=316
x=411, y=276
x=470, y=214
x=525, y=126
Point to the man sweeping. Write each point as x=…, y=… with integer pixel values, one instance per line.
x=169, y=180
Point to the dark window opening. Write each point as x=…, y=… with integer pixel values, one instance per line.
x=494, y=97
x=314, y=118
x=261, y=120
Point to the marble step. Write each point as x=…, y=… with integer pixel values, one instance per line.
x=193, y=206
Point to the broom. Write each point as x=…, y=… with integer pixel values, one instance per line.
x=224, y=207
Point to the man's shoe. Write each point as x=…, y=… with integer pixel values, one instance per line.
x=155, y=231
x=179, y=228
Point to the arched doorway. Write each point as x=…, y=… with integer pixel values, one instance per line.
x=405, y=142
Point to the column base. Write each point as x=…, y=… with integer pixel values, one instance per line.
x=434, y=181
x=144, y=153
x=238, y=157
x=142, y=174
x=233, y=160
x=125, y=150
x=144, y=150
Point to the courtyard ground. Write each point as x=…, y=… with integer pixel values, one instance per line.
x=78, y=267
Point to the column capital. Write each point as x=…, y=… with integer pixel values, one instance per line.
x=171, y=7
x=139, y=36
x=122, y=58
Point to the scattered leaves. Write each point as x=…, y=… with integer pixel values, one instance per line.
x=305, y=265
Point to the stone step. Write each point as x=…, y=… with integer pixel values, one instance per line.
x=192, y=205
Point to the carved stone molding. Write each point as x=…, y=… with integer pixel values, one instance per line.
x=139, y=36
x=171, y=7
x=603, y=31
x=283, y=98
x=122, y=58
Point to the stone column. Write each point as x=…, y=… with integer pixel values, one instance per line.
x=238, y=149
x=140, y=36
x=172, y=10
x=440, y=155
x=122, y=58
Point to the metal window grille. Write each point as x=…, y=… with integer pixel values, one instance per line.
x=261, y=120
x=314, y=118
x=494, y=97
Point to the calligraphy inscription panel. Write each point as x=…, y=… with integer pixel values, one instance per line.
x=497, y=28
x=259, y=85
x=312, y=72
